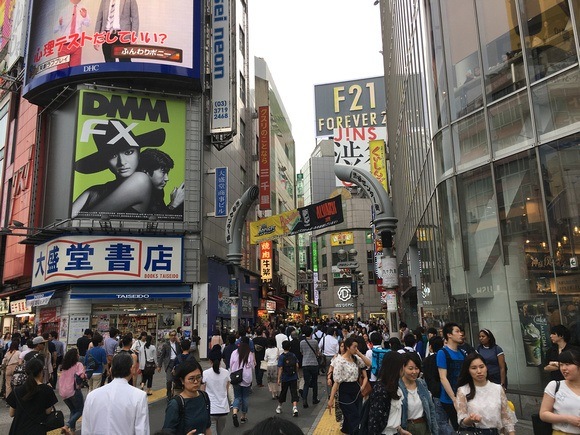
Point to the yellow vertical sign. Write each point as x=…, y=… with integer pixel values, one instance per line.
x=377, y=152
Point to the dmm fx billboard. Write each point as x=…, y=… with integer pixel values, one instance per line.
x=130, y=157
x=351, y=104
x=101, y=258
x=91, y=38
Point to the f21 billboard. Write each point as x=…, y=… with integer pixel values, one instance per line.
x=88, y=38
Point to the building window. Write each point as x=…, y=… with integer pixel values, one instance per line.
x=242, y=133
x=324, y=260
x=242, y=37
x=242, y=88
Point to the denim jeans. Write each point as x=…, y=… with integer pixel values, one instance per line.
x=75, y=403
x=442, y=419
x=241, y=398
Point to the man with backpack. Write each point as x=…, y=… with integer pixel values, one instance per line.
x=431, y=376
x=288, y=378
x=449, y=361
x=376, y=355
x=96, y=362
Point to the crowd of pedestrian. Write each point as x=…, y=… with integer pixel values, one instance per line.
x=407, y=382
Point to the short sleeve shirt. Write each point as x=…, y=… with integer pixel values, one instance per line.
x=285, y=377
x=456, y=356
x=346, y=371
x=27, y=420
x=565, y=402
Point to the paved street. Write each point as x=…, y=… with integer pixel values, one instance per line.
x=314, y=420
x=261, y=406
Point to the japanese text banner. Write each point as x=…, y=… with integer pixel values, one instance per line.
x=304, y=219
x=101, y=258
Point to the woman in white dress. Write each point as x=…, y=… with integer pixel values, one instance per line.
x=561, y=402
x=481, y=403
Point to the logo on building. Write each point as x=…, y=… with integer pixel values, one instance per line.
x=343, y=293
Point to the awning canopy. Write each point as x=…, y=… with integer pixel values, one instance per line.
x=39, y=299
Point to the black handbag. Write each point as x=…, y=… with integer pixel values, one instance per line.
x=464, y=430
x=54, y=420
x=236, y=377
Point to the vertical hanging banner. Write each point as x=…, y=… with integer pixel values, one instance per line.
x=221, y=68
x=378, y=161
x=221, y=192
x=264, y=148
x=266, y=260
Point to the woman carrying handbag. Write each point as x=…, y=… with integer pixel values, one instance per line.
x=147, y=358
x=11, y=360
x=69, y=387
x=32, y=404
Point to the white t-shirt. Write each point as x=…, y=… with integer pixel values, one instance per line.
x=328, y=345
x=565, y=402
x=216, y=387
x=415, y=405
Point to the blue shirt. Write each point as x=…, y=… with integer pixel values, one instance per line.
x=100, y=356
x=457, y=358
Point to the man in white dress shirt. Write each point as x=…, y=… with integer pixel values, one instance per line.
x=117, y=408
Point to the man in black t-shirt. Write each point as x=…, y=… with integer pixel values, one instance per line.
x=83, y=344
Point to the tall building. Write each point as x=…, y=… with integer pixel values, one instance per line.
x=276, y=175
x=484, y=133
x=127, y=141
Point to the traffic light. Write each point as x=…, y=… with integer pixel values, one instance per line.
x=354, y=288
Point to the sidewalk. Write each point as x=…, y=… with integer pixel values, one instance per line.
x=326, y=424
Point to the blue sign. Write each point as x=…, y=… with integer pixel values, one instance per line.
x=221, y=192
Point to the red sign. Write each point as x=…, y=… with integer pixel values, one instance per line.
x=48, y=315
x=264, y=149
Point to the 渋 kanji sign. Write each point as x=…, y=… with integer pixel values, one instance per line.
x=102, y=258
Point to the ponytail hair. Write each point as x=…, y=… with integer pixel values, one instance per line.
x=34, y=367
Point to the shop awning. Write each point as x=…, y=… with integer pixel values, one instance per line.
x=39, y=299
x=131, y=294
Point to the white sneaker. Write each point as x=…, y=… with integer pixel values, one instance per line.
x=279, y=409
x=295, y=411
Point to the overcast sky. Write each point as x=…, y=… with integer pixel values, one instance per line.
x=312, y=42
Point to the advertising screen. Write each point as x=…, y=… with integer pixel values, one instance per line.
x=88, y=38
x=130, y=157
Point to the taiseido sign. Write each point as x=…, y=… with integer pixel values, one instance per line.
x=130, y=296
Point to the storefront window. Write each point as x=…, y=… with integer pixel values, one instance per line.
x=451, y=234
x=503, y=61
x=462, y=54
x=556, y=104
x=510, y=124
x=549, y=36
x=484, y=270
x=470, y=142
x=560, y=162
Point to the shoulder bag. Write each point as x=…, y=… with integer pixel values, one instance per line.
x=540, y=426
x=236, y=377
x=54, y=420
x=319, y=357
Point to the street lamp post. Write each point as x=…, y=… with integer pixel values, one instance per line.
x=305, y=278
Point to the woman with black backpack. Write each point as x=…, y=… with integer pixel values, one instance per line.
x=31, y=402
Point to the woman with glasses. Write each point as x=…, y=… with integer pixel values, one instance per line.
x=190, y=410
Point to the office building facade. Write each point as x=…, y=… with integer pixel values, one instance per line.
x=484, y=148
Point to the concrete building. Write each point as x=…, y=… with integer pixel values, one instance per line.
x=153, y=265
x=484, y=147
